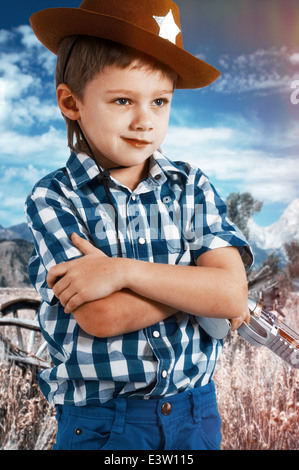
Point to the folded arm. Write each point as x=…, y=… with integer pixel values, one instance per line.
x=120, y=313
x=110, y=296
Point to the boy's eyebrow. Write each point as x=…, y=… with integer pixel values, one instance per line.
x=123, y=91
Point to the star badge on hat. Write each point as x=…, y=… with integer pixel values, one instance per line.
x=168, y=28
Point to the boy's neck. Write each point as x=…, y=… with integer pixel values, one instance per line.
x=131, y=176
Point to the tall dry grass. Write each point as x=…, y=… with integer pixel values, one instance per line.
x=258, y=398
x=258, y=394
x=27, y=421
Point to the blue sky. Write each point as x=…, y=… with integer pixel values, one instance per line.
x=242, y=131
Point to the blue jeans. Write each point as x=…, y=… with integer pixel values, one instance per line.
x=186, y=421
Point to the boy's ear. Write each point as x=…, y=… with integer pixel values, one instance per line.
x=67, y=102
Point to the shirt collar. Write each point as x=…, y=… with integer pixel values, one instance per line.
x=162, y=168
x=82, y=169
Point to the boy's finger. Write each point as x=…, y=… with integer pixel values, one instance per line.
x=84, y=245
x=237, y=322
x=74, y=303
x=56, y=272
x=247, y=318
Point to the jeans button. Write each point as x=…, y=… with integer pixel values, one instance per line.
x=78, y=431
x=166, y=409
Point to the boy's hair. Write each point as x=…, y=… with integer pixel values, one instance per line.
x=89, y=57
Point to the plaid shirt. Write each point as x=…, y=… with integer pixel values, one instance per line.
x=172, y=217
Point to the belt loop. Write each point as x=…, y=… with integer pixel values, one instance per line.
x=195, y=406
x=120, y=415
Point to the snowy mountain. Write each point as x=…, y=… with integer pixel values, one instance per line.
x=266, y=240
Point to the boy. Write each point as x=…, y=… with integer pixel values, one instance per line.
x=131, y=249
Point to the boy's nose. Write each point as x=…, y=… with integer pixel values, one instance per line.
x=142, y=121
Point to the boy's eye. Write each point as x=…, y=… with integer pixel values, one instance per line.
x=160, y=102
x=122, y=101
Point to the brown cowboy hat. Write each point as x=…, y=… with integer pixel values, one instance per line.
x=150, y=26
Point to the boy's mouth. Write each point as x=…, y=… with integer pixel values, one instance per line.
x=136, y=142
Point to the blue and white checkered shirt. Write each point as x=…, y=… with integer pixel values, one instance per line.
x=172, y=217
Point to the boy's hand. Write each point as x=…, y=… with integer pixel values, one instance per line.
x=237, y=322
x=92, y=277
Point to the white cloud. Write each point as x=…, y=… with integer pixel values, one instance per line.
x=28, y=38
x=15, y=183
x=23, y=161
x=49, y=148
x=28, y=111
x=291, y=137
x=261, y=71
x=14, y=81
x=24, y=82
x=47, y=61
x=189, y=137
x=29, y=174
x=5, y=36
x=2, y=93
x=294, y=58
x=273, y=180
x=228, y=155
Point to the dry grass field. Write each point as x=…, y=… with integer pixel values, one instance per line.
x=258, y=394
x=258, y=398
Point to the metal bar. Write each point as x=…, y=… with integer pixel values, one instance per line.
x=22, y=322
x=29, y=360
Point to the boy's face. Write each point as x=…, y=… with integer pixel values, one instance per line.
x=124, y=114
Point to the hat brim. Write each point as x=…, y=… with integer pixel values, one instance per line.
x=53, y=24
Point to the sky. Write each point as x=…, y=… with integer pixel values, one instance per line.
x=242, y=131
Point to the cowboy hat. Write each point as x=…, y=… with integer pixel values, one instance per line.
x=150, y=26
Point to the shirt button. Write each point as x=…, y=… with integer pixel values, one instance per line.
x=166, y=199
x=133, y=197
x=166, y=409
x=157, y=177
x=141, y=241
x=164, y=374
x=156, y=334
x=78, y=431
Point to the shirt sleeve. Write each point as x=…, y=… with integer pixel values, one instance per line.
x=51, y=222
x=211, y=225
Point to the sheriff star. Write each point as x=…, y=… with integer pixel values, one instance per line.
x=168, y=28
